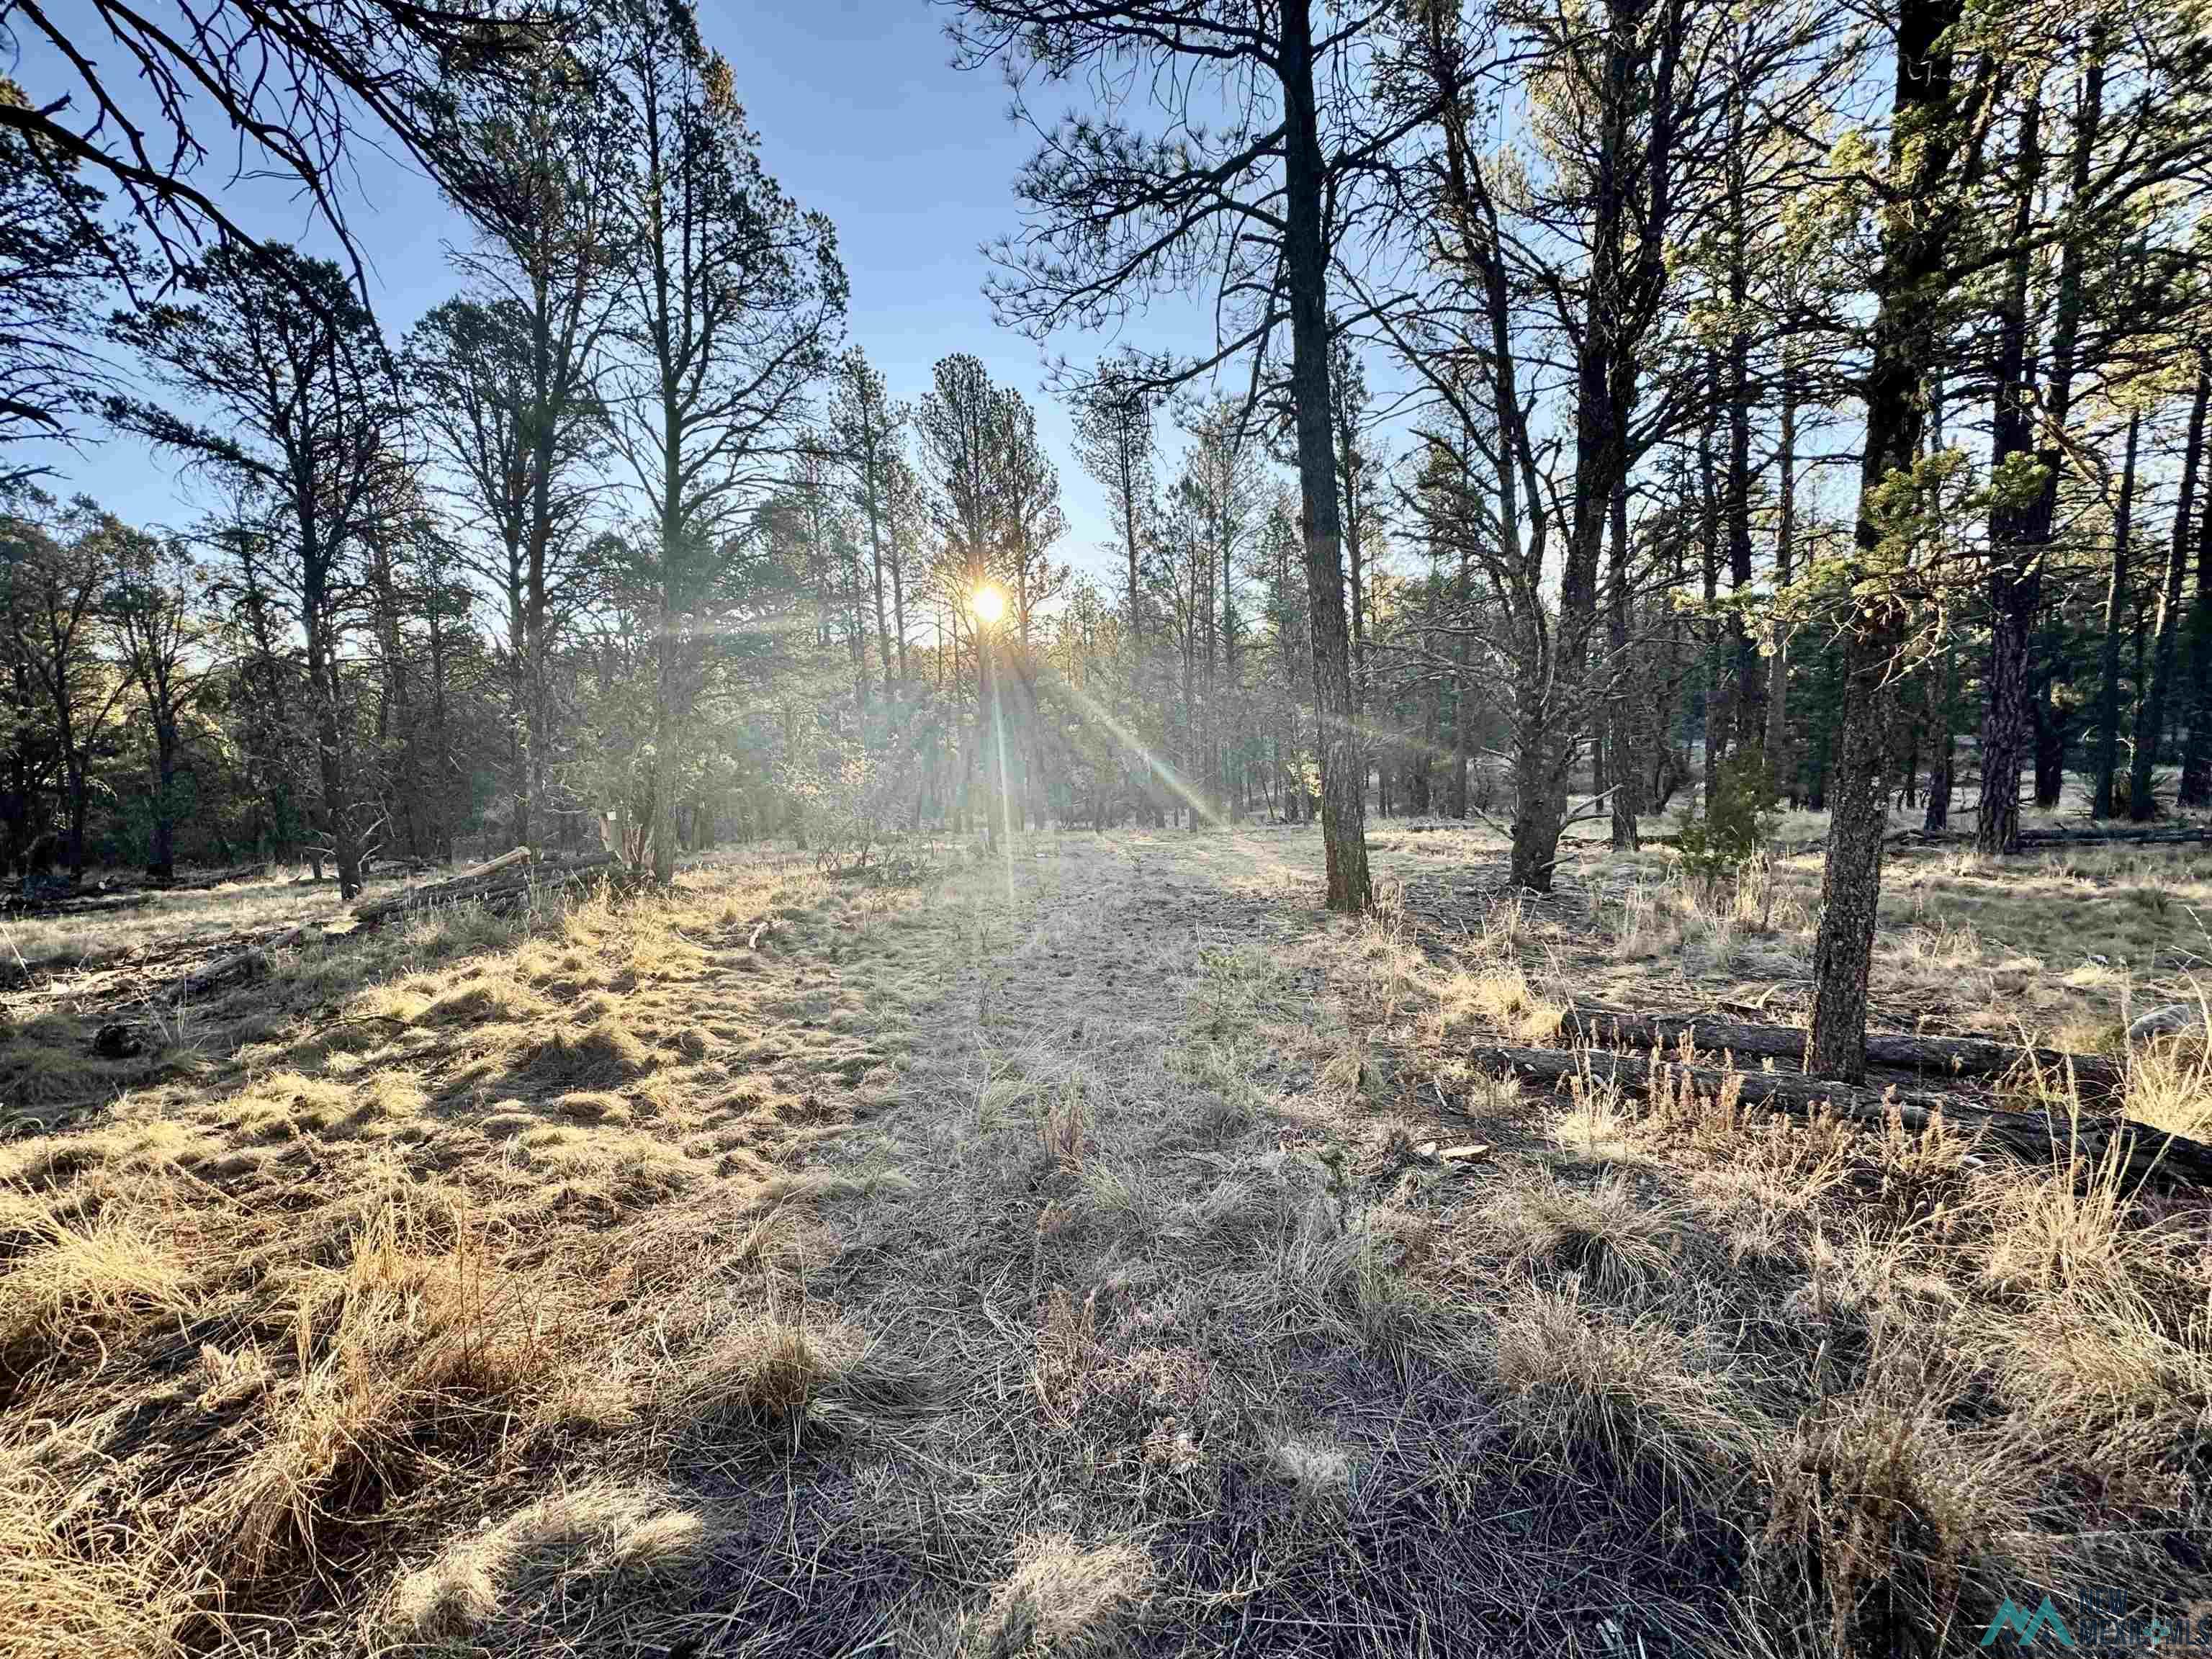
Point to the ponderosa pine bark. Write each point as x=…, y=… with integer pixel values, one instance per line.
x=2020, y=531
x=1917, y=225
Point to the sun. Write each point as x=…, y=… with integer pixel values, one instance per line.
x=990, y=604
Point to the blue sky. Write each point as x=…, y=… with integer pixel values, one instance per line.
x=860, y=115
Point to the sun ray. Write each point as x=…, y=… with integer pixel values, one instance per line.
x=1168, y=774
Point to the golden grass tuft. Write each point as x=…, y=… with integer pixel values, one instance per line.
x=62, y=1596
x=483, y=998
x=286, y=1104
x=771, y=1381
x=409, y=1340
x=1880, y=1514
x=2169, y=1084
x=600, y=1055
x=1603, y=1399
x=609, y=1548
x=1063, y=1602
x=1503, y=999
x=73, y=1283
x=1621, y=1241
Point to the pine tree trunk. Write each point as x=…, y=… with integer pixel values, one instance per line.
x=2151, y=713
x=2049, y=744
x=2196, y=789
x=1605, y=399
x=163, y=863
x=1944, y=772
x=1716, y=674
x=1781, y=766
x=2116, y=615
x=1748, y=697
x=664, y=744
x=1462, y=698
x=1344, y=807
x=2019, y=533
x=337, y=814
x=1909, y=294
x=1629, y=709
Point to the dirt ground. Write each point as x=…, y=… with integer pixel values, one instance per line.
x=1064, y=1253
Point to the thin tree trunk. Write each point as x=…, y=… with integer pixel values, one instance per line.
x=2116, y=615
x=1718, y=675
x=1344, y=833
x=163, y=863
x=1750, y=693
x=2151, y=711
x=2196, y=787
x=2019, y=534
x=1462, y=694
x=1781, y=768
x=1942, y=773
x=1628, y=709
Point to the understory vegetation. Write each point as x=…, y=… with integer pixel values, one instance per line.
x=997, y=1260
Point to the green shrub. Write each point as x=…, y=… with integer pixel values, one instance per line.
x=1739, y=820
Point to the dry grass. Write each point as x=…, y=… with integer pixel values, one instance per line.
x=1063, y=1600
x=71, y=1286
x=436, y=1212
x=164, y=925
x=1607, y=1232
x=775, y=1381
x=620, y=1551
x=1605, y=1400
x=1069, y=1264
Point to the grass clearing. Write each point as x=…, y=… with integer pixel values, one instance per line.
x=1068, y=1263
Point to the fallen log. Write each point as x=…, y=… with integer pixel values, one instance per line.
x=2174, y=836
x=1938, y=1056
x=506, y=881
x=238, y=962
x=91, y=904
x=435, y=892
x=2142, y=1153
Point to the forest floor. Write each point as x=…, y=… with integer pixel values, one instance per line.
x=1065, y=1254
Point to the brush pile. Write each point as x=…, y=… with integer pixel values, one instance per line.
x=506, y=884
